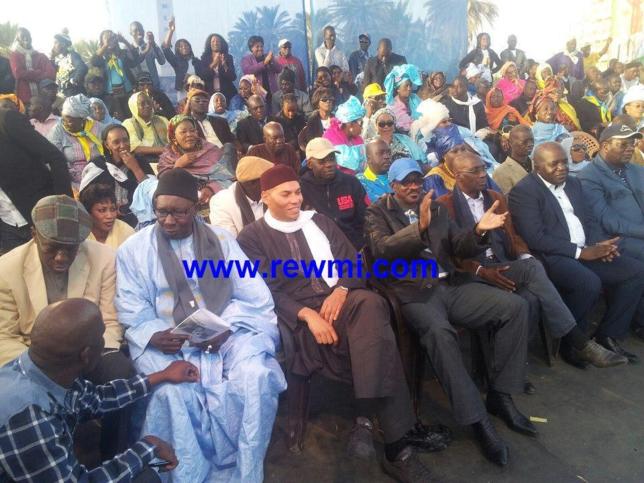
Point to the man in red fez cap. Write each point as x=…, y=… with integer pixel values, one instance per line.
x=340, y=329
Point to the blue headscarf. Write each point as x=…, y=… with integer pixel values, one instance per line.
x=350, y=110
x=398, y=75
x=444, y=139
x=108, y=119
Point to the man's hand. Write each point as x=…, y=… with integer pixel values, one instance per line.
x=425, y=215
x=491, y=220
x=332, y=305
x=163, y=451
x=605, y=250
x=167, y=342
x=215, y=343
x=495, y=276
x=176, y=373
x=149, y=38
x=269, y=57
x=322, y=330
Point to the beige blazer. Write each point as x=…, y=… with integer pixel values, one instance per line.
x=508, y=174
x=23, y=294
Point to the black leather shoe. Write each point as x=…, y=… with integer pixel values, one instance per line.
x=361, y=439
x=528, y=388
x=599, y=356
x=639, y=333
x=612, y=345
x=429, y=438
x=407, y=468
x=494, y=448
x=569, y=355
x=502, y=406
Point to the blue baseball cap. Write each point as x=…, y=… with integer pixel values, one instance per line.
x=400, y=168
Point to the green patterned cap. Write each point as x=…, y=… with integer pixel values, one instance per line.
x=61, y=219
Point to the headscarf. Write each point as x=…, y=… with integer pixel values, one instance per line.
x=350, y=110
x=158, y=126
x=566, y=144
x=541, y=82
x=397, y=76
x=434, y=92
x=13, y=98
x=79, y=106
x=410, y=147
x=634, y=94
x=496, y=115
x=431, y=114
x=604, y=112
x=256, y=86
x=108, y=119
x=566, y=114
x=511, y=88
x=172, y=126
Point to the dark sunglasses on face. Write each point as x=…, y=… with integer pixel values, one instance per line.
x=578, y=147
x=383, y=124
x=326, y=99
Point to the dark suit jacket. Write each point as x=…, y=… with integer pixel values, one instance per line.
x=376, y=71
x=30, y=166
x=390, y=236
x=520, y=59
x=476, y=57
x=226, y=77
x=516, y=245
x=180, y=66
x=249, y=133
x=221, y=128
x=540, y=221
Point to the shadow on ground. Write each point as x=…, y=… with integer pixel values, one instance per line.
x=594, y=432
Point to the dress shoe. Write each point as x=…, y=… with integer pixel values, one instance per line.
x=598, y=356
x=639, y=333
x=429, y=438
x=612, y=345
x=572, y=357
x=528, y=388
x=494, y=448
x=502, y=406
x=407, y=468
x=361, y=439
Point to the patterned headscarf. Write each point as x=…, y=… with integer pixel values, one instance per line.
x=77, y=106
x=172, y=126
x=398, y=75
x=351, y=110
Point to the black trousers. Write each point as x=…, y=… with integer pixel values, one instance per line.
x=581, y=282
x=13, y=236
x=500, y=317
x=115, y=424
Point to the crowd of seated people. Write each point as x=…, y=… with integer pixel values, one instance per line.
x=522, y=182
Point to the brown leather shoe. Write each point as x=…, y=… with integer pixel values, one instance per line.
x=599, y=356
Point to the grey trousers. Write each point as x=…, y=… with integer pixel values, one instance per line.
x=530, y=276
x=502, y=320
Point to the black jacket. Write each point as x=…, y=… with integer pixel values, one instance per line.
x=249, y=133
x=226, y=77
x=7, y=82
x=343, y=199
x=391, y=236
x=589, y=115
x=375, y=70
x=461, y=114
x=476, y=57
x=221, y=128
x=180, y=66
x=30, y=166
x=540, y=221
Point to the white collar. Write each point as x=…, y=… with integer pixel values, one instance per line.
x=550, y=186
x=288, y=226
x=479, y=198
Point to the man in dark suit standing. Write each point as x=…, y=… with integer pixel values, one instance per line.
x=550, y=213
x=512, y=54
x=377, y=68
x=250, y=129
x=30, y=169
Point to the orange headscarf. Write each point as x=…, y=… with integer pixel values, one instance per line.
x=495, y=115
x=13, y=98
x=566, y=114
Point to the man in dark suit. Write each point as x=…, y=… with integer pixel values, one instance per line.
x=249, y=130
x=401, y=226
x=508, y=264
x=552, y=216
x=377, y=68
x=30, y=169
x=512, y=54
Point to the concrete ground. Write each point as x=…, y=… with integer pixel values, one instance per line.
x=594, y=432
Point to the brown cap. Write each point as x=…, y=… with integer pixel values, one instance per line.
x=250, y=168
x=278, y=174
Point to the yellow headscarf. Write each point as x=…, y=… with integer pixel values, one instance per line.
x=85, y=138
x=541, y=82
x=158, y=126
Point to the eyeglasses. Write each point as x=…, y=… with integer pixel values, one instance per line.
x=385, y=123
x=176, y=214
x=364, y=41
x=479, y=170
x=578, y=147
x=326, y=99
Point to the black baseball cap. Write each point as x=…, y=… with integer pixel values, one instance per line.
x=618, y=131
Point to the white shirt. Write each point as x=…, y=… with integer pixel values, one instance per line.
x=328, y=57
x=8, y=211
x=575, y=228
x=210, y=134
x=478, y=210
x=225, y=212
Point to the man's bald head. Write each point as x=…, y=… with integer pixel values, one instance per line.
x=551, y=162
x=521, y=142
x=470, y=173
x=274, y=137
x=256, y=107
x=465, y=159
x=68, y=332
x=378, y=156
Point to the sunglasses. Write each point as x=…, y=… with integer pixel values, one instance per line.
x=578, y=147
x=385, y=123
x=326, y=99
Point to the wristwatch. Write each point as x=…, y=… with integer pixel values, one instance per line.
x=342, y=288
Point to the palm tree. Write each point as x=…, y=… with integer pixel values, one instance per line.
x=478, y=12
x=445, y=33
x=8, y=32
x=86, y=48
